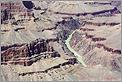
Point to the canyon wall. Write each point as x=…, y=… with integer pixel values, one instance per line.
x=23, y=54
x=95, y=51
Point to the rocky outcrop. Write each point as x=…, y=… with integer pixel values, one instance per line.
x=92, y=37
x=66, y=26
x=86, y=29
x=10, y=46
x=13, y=53
x=23, y=54
x=101, y=24
x=27, y=61
x=99, y=13
x=114, y=51
x=71, y=61
x=109, y=12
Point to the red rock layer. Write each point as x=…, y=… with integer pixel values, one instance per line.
x=18, y=54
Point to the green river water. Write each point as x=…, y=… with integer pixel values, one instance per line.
x=79, y=58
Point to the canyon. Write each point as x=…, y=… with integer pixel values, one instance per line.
x=62, y=41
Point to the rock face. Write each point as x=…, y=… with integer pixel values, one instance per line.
x=66, y=26
x=99, y=13
x=18, y=54
x=71, y=61
x=90, y=46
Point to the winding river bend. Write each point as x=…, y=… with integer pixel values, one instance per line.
x=79, y=58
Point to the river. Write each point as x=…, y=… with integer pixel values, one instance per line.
x=79, y=58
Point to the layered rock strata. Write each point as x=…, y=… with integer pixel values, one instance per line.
x=26, y=54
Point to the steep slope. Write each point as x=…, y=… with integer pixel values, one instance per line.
x=100, y=45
